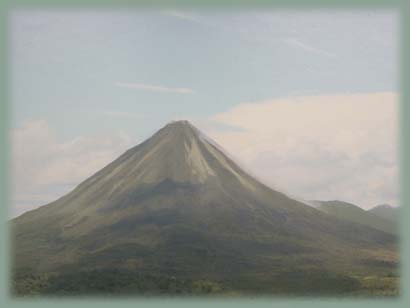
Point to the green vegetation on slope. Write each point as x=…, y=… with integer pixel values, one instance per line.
x=387, y=212
x=126, y=283
x=353, y=213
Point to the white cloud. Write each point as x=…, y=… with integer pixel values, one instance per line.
x=44, y=168
x=181, y=15
x=319, y=147
x=154, y=88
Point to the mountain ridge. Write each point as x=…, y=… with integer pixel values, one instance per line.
x=387, y=212
x=354, y=213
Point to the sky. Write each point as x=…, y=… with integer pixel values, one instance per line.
x=306, y=100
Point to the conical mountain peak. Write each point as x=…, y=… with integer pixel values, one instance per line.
x=179, y=123
x=177, y=153
x=182, y=152
x=179, y=130
x=176, y=204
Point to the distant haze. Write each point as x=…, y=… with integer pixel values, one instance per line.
x=307, y=101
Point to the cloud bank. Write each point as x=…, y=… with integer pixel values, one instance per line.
x=45, y=168
x=319, y=147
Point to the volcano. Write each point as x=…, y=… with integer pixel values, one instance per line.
x=177, y=208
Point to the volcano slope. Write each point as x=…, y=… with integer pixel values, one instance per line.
x=175, y=215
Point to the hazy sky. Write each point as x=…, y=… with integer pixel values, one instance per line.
x=306, y=100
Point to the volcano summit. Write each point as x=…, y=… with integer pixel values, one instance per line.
x=176, y=215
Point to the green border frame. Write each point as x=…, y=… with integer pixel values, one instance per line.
x=403, y=6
